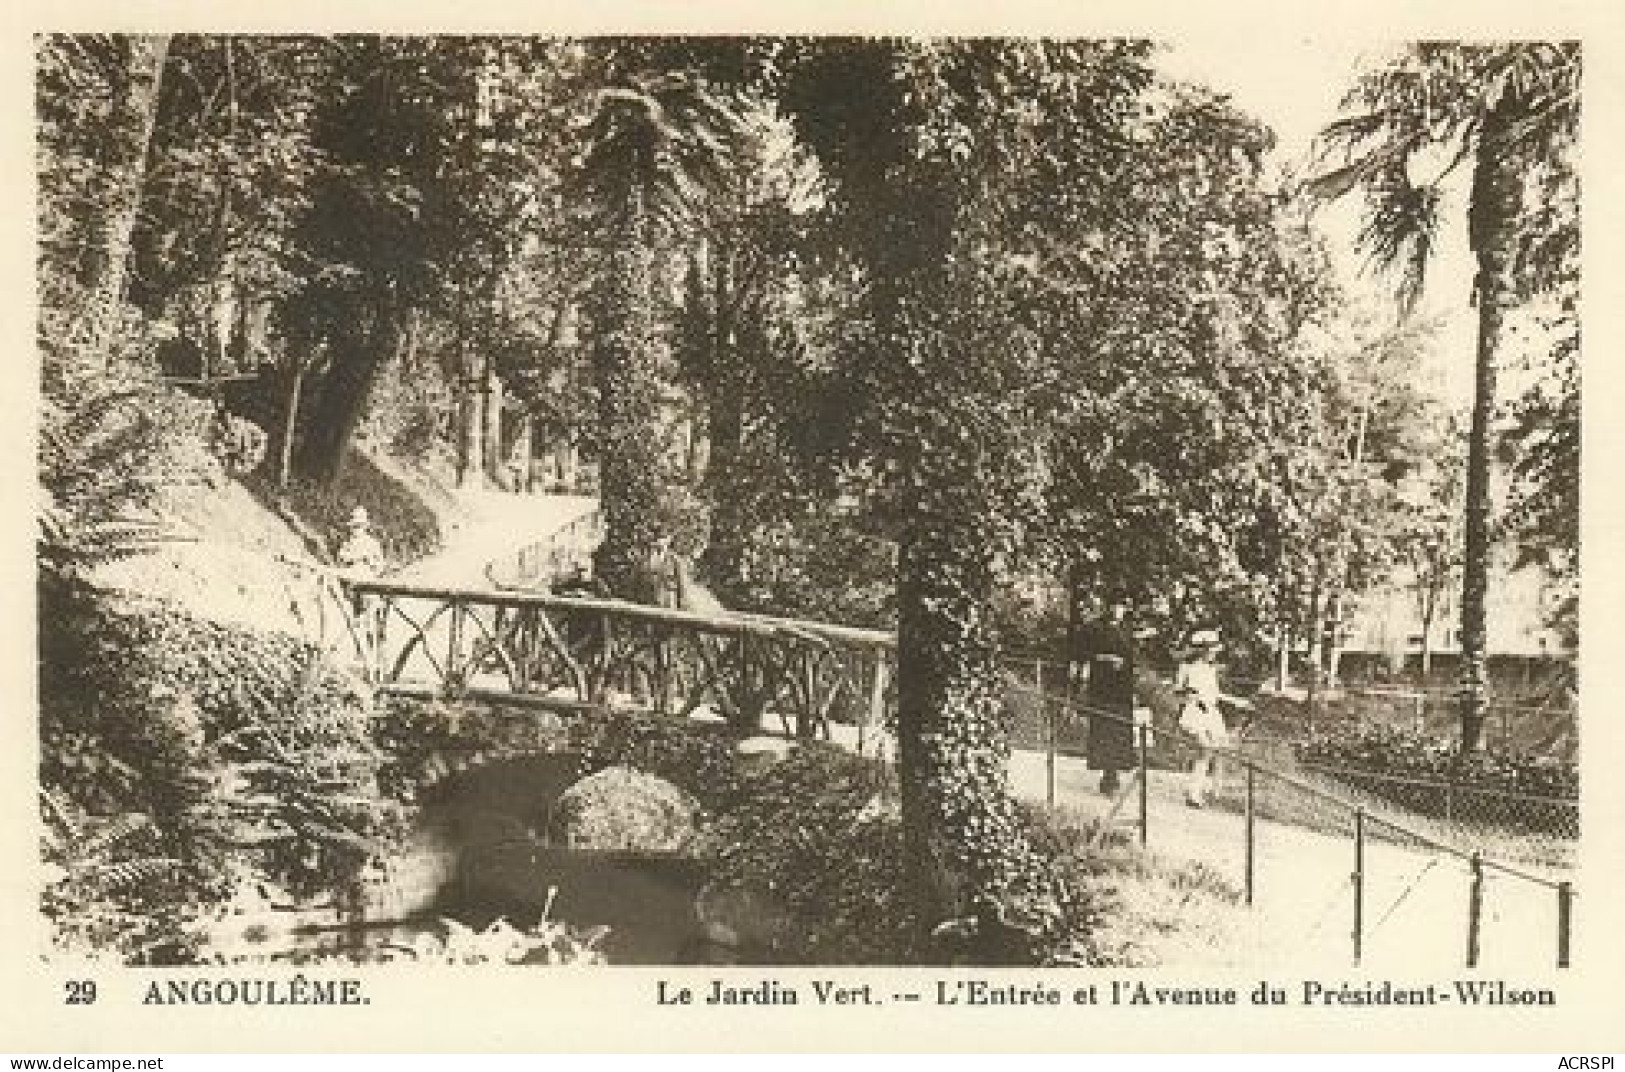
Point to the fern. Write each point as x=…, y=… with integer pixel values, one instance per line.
x=96, y=859
x=107, y=451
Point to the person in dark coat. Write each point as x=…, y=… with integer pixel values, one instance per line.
x=1105, y=656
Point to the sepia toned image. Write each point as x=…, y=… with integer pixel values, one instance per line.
x=754, y=502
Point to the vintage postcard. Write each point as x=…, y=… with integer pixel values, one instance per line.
x=824, y=529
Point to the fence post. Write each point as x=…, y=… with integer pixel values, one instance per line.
x=1565, y=919
x=1359, y=883
x=1250, y=832
x=1475, y=908
x=1145, y=787
x=454, y=647
x=877, y=699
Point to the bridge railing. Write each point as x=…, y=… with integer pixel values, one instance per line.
x=567, y=652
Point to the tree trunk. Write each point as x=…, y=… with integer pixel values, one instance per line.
x=1283, y=656
x=951, y=742
x=345, y=393
x=1496, y=198
x=470, y=428
x=134, y=117
x=524, y=450
x=1430, y=603
x=723, y=559
x=491, y=429
x=631, y=466
x=1312, y=693
x=1334, y=638
x=290, y=424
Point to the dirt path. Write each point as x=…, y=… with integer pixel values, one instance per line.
x=498, y=524
x=1415, y=901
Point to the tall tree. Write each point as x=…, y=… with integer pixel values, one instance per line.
x=926, y=143
x=99, y=96
x=1194, y=394
x=404, y=209
x=1502, y=110
x=754, y=337
x=656, y=144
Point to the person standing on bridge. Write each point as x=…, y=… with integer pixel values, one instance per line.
x=360, y=555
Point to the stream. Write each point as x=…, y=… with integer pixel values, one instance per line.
x=480, y=852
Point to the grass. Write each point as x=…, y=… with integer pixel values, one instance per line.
x=401, y=517
x=1154, y=910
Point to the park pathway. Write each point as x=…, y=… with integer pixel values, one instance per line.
x=496, y=525
x=1415, y=899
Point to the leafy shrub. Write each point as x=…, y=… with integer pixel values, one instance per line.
x=110, y=443
x=1401, y=753
x=812, y=836
x=449, y=943
x=815, y=840
x=622, y=808
x=547, y=942
x=1146, y=910
x=815, y=567
x=107, y=888
x=403, y=522
x=699, y=759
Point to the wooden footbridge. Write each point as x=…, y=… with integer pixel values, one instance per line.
x=565, y=652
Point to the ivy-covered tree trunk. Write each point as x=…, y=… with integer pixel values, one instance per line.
x=1495, y=202
x=132, y=122
x=631, y=464
x=470, y=426
x=953, y=749
x=722, y=561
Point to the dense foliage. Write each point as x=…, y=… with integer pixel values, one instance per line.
x=1404, y=754
x=223, y=748
x=884, y=331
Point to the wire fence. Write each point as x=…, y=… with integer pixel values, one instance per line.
x=1534, y=719
x=1341, y=862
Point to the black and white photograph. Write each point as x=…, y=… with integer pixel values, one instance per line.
x=1104, y=505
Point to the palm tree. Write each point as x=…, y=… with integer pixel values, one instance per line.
x=657, y=145
x=1503, y=111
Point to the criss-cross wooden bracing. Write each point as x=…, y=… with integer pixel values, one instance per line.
x=566, y=652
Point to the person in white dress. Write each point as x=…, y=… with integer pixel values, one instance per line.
x=1197, y=682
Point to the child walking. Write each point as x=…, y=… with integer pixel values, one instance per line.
x=1197, y=682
